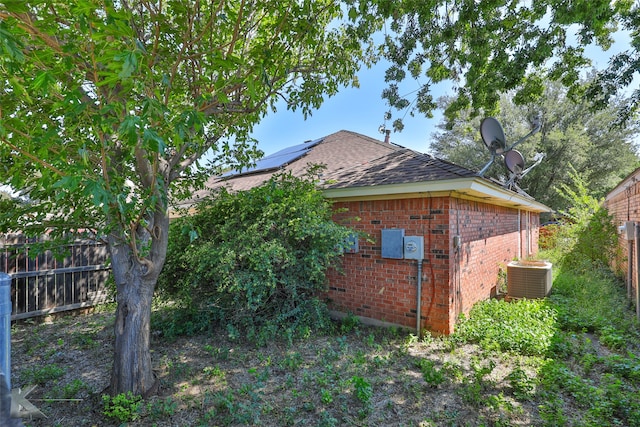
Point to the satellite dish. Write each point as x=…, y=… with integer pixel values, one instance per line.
x=514, y=161
x=493, y=135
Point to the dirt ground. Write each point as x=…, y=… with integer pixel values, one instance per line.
x=358, y=376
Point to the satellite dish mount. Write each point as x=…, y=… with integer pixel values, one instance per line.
x=493, y=137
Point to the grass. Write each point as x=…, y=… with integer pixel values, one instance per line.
x=570, y=360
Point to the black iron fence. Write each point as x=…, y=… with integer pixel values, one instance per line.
x=45, y=283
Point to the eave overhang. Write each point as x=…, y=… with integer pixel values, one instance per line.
x=478, y=189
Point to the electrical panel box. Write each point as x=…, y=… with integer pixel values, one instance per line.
x=414, y=247
x=630, y=230
x=393, y=243
x=351, y=244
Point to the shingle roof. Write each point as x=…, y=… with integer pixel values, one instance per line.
x=352, y=159
x=398, y=167
x=338, y=151
x=355, y=161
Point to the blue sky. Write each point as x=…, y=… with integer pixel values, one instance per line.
x=362, y=110
x=356, y=109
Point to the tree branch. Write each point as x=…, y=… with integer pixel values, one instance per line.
x=30, y=156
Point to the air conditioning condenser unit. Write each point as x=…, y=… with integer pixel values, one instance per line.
x=529, y=279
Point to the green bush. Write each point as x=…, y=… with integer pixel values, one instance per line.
x=524, y=326
x=256, y=260
x=588, y=237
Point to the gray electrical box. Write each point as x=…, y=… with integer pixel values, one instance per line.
x=630, y=230
x=392, y=243
x=414, y=247
x=351, y=244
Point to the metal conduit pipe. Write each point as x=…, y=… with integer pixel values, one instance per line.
x=418, y=307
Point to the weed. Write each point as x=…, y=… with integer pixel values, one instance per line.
x=612, y=338
x=453, y=370
x=214, y=372
x=625, y=367
x=447, y=417
x=326, y=396
x=474, y=387
x=71, y=390
x=292, y=361
x=370, y=340
x=360, y=358
x=432, y=375
x=379, y=361
x=124, y=407
x=521, y=384
x=260, y=375
x=327, y=420
x=349, y=323
x=525, y=326
x=164, y=408
x=42, y=375
x=68, y=391
x=588, y=361
x=85, y=340
x=551, y=411
x=363, y=389
x=342, y=343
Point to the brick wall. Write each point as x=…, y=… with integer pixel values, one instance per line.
x=623, y=203
x=491, y=237
x=453, y=279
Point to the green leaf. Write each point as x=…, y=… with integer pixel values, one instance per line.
x=68, y=182
x=353, y=13
x=11, y=46
x=153, y=142
x=129, y=65
x=129, y=129
x=19, y=88
x=42, y=82
x=100, y=195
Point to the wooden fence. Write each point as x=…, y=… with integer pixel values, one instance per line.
x=43, y=284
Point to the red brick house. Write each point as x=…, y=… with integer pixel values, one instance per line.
x=470, y=226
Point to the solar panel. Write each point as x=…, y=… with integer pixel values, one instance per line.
x=278, y=159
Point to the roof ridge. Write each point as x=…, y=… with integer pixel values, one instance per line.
x=392, y=145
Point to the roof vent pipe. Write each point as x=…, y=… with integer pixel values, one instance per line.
x=387, y=134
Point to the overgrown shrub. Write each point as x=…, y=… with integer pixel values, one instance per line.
x=591, y=301
x=255, y=260
x=588, y=237
x=548, y=238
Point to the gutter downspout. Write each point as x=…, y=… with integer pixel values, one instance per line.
x=519, y=234
x=419, y=300
x=630, y=244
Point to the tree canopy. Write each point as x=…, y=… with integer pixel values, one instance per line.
x=107, y=105
x=490, y=47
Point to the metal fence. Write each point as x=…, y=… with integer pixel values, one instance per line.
x=44, y=283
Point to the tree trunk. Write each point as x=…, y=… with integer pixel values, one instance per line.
x=132, y=369
x=135, y=283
